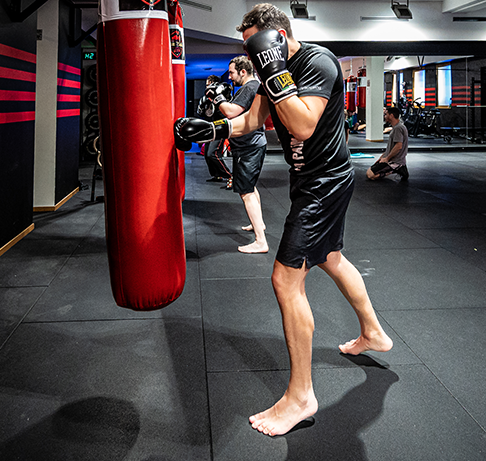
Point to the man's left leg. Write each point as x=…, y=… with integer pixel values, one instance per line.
x=351, y=284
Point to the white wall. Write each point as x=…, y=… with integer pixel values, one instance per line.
x=222, y=20
x=341, y=20
x=46, y=105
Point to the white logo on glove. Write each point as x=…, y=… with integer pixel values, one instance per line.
x=271, y=55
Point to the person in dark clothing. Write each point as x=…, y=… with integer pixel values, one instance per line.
x=214, y=150
x=248, y=151
x=302, y=88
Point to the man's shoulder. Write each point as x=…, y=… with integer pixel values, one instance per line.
x=401, y=127
x=312, y=50
x=251, y=85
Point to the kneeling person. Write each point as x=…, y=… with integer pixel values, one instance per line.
x=393, y=160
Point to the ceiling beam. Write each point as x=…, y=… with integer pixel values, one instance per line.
x=462, y=6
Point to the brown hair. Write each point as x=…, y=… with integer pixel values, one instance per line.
x=213, y=79
x=395, y=111
x=242, y=62
x=266, y=16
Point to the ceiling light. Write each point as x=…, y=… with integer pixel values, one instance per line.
x=299, y=10
x=401, y=11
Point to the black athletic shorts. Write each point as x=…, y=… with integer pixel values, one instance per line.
x=247, y=165
x=383, y=169
x=315, y=224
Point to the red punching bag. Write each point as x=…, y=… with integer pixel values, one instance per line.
x=351, y=93
x=178, y=75
x=143, y=209
x=361, y=96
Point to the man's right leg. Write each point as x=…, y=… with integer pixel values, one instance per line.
x=214, y=159
x=299, y=401
x=249, y=228
x=351, y=284
x=254, y=211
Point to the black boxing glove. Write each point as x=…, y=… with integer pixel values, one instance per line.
x=217, y=93
x=268, y=52
x=189, y=130
x=227, y=90
x=205, y=108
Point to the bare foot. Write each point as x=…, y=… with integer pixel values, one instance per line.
x=249, y=228
x=379, y=343
x=284, y=415
x=255, y=247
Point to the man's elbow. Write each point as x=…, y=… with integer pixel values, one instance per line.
x=302, y=134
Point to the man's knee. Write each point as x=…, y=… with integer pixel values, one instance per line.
x=333, y=260
x=277, y=280
x=247, y=196
x=287, y=279
x=371, y=175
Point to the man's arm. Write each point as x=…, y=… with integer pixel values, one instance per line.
x=251, y=120
x=189, y=130
x=301, y=115
x=230, y=110
x=395, y=150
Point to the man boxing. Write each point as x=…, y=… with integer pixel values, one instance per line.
x=248, y=151
x=302, y=87
x=214, y=150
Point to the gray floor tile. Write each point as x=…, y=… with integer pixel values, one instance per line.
x=74, y=219
x=82, y=291
x=15, y=304
x=35, y=262
x=448, y=341
x=474, y=201
x=219, y=256
x=243, y=327
x=104, y=391
x=468, y=244
x=419, y=279
x=435, y=216
x=366, y=413
x=367, y=232
x=388, y=193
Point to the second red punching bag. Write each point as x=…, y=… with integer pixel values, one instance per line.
x=351, y=93
x=178, y=75
x=143, y=210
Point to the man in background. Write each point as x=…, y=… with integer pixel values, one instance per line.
x=393, y=160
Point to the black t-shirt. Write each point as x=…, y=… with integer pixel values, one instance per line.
x=244, y=97
x=317, y=72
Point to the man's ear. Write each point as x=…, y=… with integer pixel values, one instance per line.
x=283, y=32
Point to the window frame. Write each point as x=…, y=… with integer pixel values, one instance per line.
x=438, y=66
x=415, y=80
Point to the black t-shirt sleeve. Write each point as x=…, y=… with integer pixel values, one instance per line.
x=244, y=96
x=318, y=77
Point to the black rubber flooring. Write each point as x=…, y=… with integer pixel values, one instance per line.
x=83, y=379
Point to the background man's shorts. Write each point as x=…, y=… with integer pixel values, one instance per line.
x=383, y=169
x=247, y=165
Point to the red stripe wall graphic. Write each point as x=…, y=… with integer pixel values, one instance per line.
x=68, y=91
x=17, y=85
x=430, y=97
x=461, y=95
x=17, y=54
